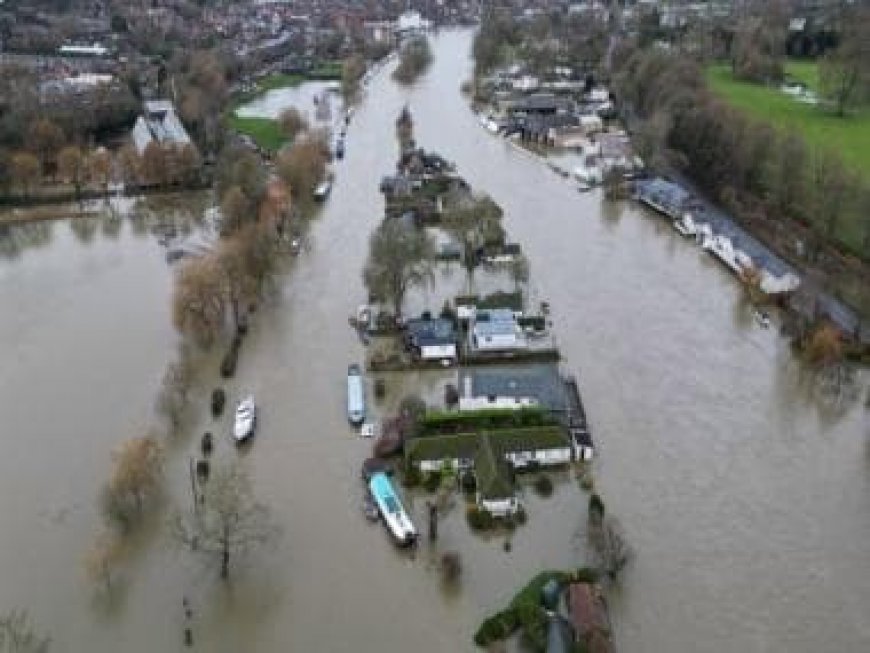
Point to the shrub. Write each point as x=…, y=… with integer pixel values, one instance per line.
x=497, y=627
x=520, y=516
x=479, y=519
x=203, y=469
x=469, y=482
x=412, y=407
x=218, y=399
x=411, y=477
x=380, y=388
x=228, y=364
x=586, y=575
x=206, y=445
x=596, y=507
x=432, y=481
x=543, y=486
x=451, y=395
x=451, y=566
x=586, y=481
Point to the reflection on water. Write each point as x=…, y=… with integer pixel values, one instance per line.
x=15, y=238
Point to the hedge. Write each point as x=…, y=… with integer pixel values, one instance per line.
x=437, y=422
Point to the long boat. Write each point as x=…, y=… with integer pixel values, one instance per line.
x=395, y=518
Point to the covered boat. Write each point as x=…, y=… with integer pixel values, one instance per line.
x=395, y=518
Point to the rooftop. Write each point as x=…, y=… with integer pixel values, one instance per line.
x=437, y=331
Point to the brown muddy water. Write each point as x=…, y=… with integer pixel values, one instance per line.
x=747, y=502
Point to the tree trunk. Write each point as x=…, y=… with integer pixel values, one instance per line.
x=225, y=561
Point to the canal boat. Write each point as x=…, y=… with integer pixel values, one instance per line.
x=245, y=419
x=393, y=513
x=322, y=190
x=685, y=225
x=356, y=405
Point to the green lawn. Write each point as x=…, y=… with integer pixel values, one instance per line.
x=850, y=136
x=265, y=131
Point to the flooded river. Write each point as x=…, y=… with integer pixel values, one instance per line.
x=748, y=506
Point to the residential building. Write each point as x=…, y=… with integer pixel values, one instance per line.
x=159, y=123
x=496, y=330
x=432, y=339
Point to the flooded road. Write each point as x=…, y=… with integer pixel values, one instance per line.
x=747, y=505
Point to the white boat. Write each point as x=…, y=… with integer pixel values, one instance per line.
x=685, y=225
x=322, y=190
x=356, y=406
x=245, y=419
x=395, y=518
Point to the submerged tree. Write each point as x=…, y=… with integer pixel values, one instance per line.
x=231, y=521
x=400, y=257
x=352, y=70
x=199, y=300
x=475, y=222
x=292, y=122
x=17, y=635
x=173, y=395
x=135, y=478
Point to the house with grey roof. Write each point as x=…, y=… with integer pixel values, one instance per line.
x=432, y=339
x=159, y=124
x=494, y=330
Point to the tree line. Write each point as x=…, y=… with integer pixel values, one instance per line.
x=762, y=175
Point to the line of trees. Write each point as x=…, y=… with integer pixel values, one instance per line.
x=758, y=173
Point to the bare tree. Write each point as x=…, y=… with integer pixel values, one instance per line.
x=71, y=167
x=518, y=269
x=831, y=188
x=17, y=635
x=352, y=70
x=292, y=122
x=399, y=257
x=100, y=167
x=172, y=399
x=474, y=222
x=236, y=209
x=102, y=559
x=609, y=545
x=302, y=167
x=154, y=164
x=135, y=478
x=130, y=164
x=845, y=71
x=231, y=521
x=45, y=137
x=241, y=286
x=25, y=171
x=199, y=300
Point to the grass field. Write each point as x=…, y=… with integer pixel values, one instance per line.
x=265, y=132
x=849, y=136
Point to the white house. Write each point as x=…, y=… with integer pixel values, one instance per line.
x=159, y=123
x=496, y=330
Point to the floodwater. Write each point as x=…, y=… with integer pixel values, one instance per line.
x=747, y=503
x=306, y=98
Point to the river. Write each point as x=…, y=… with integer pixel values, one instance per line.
x=748, y=506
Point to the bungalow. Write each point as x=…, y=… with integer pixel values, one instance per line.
x=513, y=387
x=496, y=330
x=433, y=339
x=492, y=456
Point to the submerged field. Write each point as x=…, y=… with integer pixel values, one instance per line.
x=850, y=136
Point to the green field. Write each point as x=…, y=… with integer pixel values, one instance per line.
x=850, y=136
x=265, y=132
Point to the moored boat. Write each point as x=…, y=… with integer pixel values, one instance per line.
x=356, y=407
x=322, y=190
x=395, y=518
